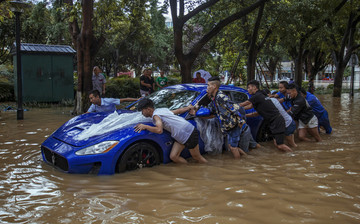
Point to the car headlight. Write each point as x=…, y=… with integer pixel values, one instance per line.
x=98, y=148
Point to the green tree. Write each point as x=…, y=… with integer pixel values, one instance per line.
x=7, y=37
x=299, y=21
x=35, y=25
x=345, y=39
x=160, y=52
x=186, y=59
x=57, y=31
x=110, y=19
x=86, y=45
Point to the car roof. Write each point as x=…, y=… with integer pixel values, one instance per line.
x=199, y=87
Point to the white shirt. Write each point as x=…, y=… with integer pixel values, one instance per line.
x=288, y=119
x=179, y=128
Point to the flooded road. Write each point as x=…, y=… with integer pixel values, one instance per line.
x=317, y=183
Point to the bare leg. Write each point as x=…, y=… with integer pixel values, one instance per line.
x=290, y=140
x=315, y=133
x=195, y=153
x=237, y=152
x=242, y=153
x=302, y=135
x=284, y=147
x=175, y=153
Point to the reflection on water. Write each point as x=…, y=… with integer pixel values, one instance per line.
x=317, y=183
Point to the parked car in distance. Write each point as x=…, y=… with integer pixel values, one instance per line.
x=106, y=143
x=327, y=79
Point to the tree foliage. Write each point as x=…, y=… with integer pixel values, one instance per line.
x=216, y=35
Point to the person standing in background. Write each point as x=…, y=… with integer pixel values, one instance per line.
x=198, y=78
x=161, y=81
x=98, y=80
x=147, y=83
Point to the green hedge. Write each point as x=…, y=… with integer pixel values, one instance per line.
x=129, y=87
x=172, y=80
x=123, y=87
x=6, y=92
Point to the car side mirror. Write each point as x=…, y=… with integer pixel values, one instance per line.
x=203, y=112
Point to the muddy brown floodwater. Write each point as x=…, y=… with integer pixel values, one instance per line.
x=317, y=183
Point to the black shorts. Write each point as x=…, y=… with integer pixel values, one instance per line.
x=193, y=140
x=277, y=128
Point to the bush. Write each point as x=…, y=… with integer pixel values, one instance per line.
x=330, y=87
x=305, y=85
x=274, y=85
x=6, y=73
x=6, y=92
x=173, y=80
x=123, y=87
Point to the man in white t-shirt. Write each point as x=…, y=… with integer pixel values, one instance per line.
x=184, y=133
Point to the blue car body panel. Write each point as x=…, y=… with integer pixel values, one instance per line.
x=59, y=149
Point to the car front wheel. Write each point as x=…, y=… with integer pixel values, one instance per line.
x=138, y=156
x=264, y=133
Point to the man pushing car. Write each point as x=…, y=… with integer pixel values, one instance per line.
x=184, y=133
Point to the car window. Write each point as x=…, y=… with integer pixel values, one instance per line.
x=239, y=97
x=171, y=98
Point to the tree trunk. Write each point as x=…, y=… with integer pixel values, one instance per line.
x=272, y=68
x=234, y=68
x=339, y=75
x=186, y=71
x=251, y=62
x=86, y=46
x=343, y=56
x=298, y=65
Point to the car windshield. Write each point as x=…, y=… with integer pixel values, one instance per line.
x=171, y=98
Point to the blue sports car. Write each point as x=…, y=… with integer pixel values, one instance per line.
x=106, y=143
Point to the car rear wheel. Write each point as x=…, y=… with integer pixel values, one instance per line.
x=264, y=133
x=138, y=156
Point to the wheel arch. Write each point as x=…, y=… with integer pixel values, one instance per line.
x=263, y=134
x=148, y=141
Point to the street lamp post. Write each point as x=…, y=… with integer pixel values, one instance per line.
x=20, y=111
x=17, y=8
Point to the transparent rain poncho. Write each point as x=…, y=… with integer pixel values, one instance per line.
x=112, y=122
x=211, y=134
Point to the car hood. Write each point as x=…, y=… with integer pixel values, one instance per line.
x=87, y=128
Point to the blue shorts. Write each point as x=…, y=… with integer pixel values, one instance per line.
x=324, y=122
x=290, y=129
x=233, y=136
x=246, y=139
x=241, y=137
